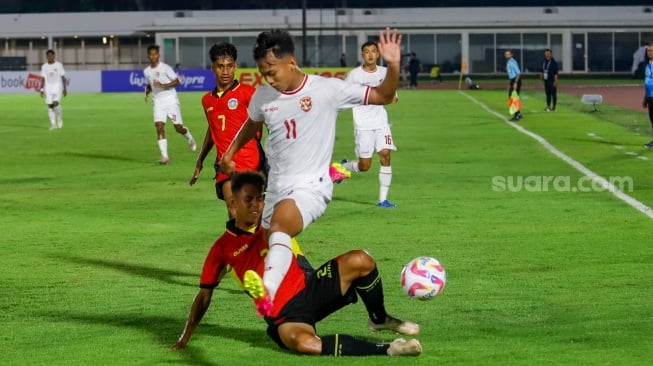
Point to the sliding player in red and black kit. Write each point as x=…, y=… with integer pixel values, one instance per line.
x=305, y=296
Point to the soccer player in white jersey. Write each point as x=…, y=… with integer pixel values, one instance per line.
x=53, y=88
x=371, y=127
x=300, y=112
x=161, y=81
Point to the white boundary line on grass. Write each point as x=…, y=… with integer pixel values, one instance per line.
x=639, y=206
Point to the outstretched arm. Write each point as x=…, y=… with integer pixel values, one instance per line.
x=246, y=133
x=199, y=164
x=390, y=50
x=198, y=309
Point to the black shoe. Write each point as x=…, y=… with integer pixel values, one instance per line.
x=649, y=145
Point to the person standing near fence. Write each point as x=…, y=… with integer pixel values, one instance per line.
x=414, y=68
x=549, y=76
x=53, y=88
x=514, y=74
x=648, y=88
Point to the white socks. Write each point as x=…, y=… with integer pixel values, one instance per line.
x=58, y=113
x=53, y=118
x=187, y=135
x=352, y=166
x=385, y=178
x=163, y=146
x=277, y=262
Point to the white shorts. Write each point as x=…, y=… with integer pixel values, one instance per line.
x=168, y=111
x=369, y=141
x=311, y=200
x=52, y=97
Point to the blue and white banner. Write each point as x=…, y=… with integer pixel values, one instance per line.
x=134, y=81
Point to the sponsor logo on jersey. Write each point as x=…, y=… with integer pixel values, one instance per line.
x=232, y=103
x=306, y=104
x=240, y=250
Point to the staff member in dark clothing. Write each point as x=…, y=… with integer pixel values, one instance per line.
x=549, y=75
x=414, y=67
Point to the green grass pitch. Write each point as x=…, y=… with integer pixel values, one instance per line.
x=101, y=248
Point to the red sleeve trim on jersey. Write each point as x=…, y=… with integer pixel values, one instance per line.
x=367, y=96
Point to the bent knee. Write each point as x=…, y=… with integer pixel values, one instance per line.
x=360, y=260
x=364, y=164
x=300, y=338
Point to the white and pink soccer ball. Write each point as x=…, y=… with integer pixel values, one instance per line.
x=423, y=278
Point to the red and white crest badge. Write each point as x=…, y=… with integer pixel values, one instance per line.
x=306, y=104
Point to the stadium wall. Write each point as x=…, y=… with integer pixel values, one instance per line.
x=591, y=39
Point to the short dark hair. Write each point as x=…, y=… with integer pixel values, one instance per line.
x=278, y=41
x=153, y=47
x=223, y=49
x=49, y=52
x=240, y=179
x=369, y=43
x=548, y=50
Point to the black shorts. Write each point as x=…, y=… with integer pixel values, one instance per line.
x=320, y=298
x=218, y=185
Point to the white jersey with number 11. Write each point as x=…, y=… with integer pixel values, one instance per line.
x=302, y=126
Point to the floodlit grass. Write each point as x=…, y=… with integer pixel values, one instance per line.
x=102, y=248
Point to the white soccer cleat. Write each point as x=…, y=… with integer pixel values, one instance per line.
x=402, y=347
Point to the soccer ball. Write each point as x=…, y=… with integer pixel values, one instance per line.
x=423, y=278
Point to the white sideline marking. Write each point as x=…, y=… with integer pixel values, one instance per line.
x=639, y=206
x=619, y=147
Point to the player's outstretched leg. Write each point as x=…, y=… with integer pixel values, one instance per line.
x=402, y=347
x=254, y=286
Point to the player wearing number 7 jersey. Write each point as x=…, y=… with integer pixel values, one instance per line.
x=300, y=112
x=226, y=112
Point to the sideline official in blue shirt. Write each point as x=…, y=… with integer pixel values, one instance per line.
x=514, y=74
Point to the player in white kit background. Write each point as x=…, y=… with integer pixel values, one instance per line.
x=371, y=128
x=53, y=88
x=300, y=112
x=161, y=81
